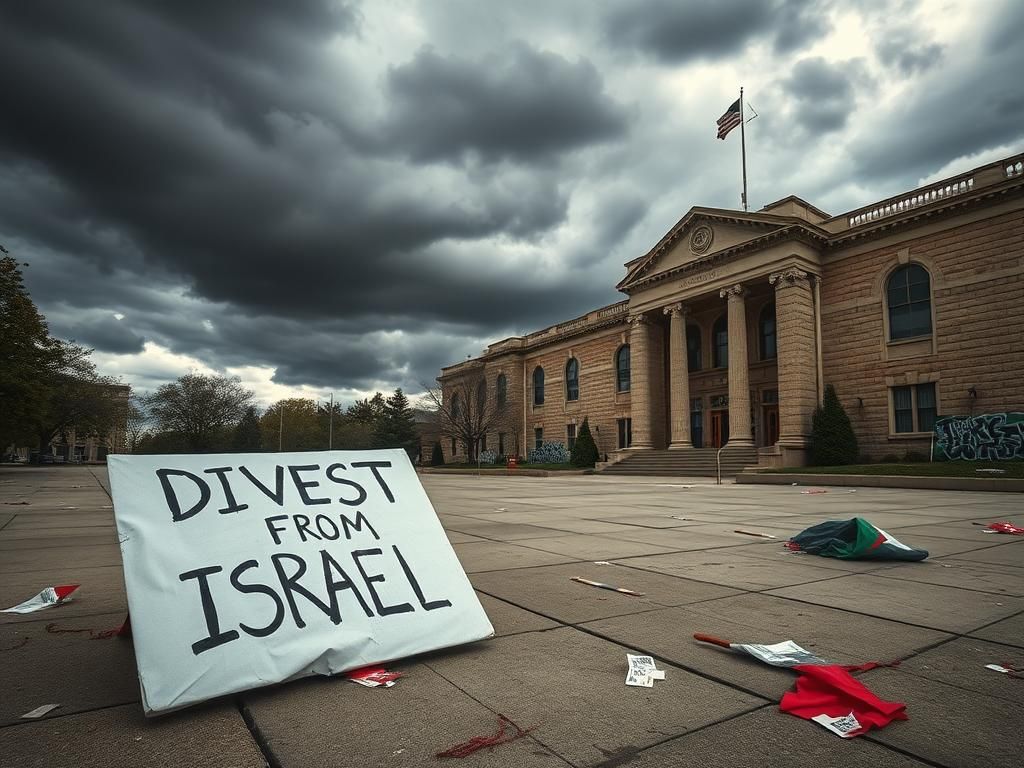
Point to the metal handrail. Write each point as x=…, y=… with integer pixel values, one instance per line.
x=718, y=460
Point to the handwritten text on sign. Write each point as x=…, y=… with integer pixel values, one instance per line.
x=249, y=569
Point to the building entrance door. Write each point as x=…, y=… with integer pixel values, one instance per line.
x=771, y=424
x=719, y=428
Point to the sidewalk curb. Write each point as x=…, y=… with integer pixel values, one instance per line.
x=1010, y=485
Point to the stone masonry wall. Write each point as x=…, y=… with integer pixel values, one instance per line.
x=977, y=281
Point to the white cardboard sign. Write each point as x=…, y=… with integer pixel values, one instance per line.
x=244, y=570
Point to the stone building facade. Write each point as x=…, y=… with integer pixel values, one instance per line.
x=912, y=307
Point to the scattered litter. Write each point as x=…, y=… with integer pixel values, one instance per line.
x=69, y=507
x=854, y=539
x=1007, y=669
x=784, y=654
x=677, y=517
x=19, y=644
x=755, y=533
x=830, y=696
x=502, y=736
x=39, y=712
x=373, y=677
x=1003, y=527
x=601, y=562
x=642, y=671
x=814, y=490
x=993, y=471
x=14, y=503
x=611, y=587
x=852, y=490
x=48, y=597
x=501, y=509
x=793, y=483
x=398, y=752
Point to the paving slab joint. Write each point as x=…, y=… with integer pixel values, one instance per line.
x=257, y=735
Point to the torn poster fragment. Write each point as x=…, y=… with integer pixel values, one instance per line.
x=373, y=677
x=784, y=654
x=48, y=598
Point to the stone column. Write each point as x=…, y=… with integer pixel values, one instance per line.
x=797, y=362
x=640, y=381
x=739, y=375
x=679, y=376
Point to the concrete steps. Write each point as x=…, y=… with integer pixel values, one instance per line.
x=691, y=462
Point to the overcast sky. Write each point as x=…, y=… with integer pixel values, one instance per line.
x=330, y=196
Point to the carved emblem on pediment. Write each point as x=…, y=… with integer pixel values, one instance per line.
x=700, y=239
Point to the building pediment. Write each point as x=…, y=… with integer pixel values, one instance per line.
x=700, y=234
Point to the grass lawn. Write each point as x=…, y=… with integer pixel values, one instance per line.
x=1012, y=469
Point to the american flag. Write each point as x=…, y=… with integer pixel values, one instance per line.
x=729, y=120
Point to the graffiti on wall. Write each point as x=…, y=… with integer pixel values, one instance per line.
x=988, y=437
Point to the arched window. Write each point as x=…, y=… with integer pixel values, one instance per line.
x=910, y=305
x=720, y=342
x=538, y=386
x=501, y=389
x=481, y=396
x=693, y=348
x=622, y=369
x=767, y=346
x=456, y=409
x=572, y=379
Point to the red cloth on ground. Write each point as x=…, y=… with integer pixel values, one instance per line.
x=831, y=690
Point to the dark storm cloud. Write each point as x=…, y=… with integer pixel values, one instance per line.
x=106, y=334
x=799, y=23
x=675, y=32
x=955, y=112
x=903, y=50
x=320, y=227
x=823, y=93
x=520, y=104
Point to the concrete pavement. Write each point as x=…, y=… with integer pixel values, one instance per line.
x=558, y=661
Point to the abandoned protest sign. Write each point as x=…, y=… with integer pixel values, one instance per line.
x=244, y=570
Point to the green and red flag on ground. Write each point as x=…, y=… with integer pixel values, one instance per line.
x=855, y=539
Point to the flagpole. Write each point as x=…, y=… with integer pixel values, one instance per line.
x=743, y=148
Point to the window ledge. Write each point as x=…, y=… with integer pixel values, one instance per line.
x=910, y=435
x=909, y=340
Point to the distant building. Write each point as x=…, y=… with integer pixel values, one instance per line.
x=71, y=447
x=912, y=307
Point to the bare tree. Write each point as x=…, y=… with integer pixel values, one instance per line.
x=136, y=424
x=468, y=409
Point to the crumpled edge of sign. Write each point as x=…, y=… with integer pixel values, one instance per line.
x=48, y=598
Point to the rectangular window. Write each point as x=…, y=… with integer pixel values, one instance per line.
x=501, y=443
x=625, y=427
x=770, y=397
x=483, y=442
x=570, y=435
x=926, y=407
x=914, y=408
x=903, y=409
x=453, y=446
x=538, y=437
